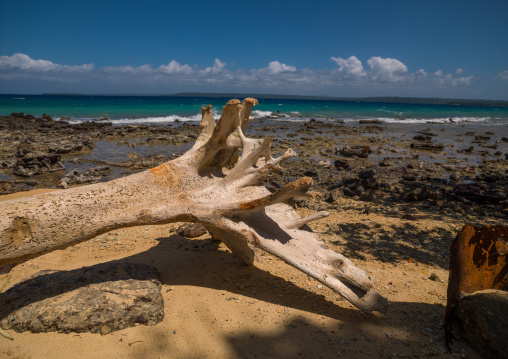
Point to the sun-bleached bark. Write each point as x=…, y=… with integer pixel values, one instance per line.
x=218, y=183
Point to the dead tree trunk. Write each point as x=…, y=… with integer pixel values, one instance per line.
x=215, y=183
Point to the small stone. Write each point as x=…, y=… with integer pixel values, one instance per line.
x=174, y=331
x=105, y=330
x=435, y=277
x=408, y=217
x=192, y=230
x=388, y=334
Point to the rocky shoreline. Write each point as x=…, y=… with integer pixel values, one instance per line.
x=397, y=196
x=463, y=173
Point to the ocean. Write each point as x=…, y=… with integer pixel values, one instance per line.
x=166, y=109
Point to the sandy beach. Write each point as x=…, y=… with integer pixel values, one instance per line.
x=395, y=207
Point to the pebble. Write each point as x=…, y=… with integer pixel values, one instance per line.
x=105, y=330
x=435, y=277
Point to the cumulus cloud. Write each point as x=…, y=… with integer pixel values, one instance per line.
x=449, y=80
x=26, y=63
x=175, y=68
x=350, y=66
x=349, y=73
x=128, y=70
x=503, y=75
x=387, y=69
x=275, y=67
x=217, y=67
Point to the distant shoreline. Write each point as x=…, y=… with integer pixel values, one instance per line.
x=388, y=99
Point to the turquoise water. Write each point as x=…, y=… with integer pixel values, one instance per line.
x=165, y=109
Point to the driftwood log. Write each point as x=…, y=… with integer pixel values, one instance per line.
x=217, y=183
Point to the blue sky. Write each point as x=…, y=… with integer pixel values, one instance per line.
x=455, y=49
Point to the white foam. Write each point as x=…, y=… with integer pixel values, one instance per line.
x=435, y=120
x=144, y=120
x=258, y=113
x=157, y=120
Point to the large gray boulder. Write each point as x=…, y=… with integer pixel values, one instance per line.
x=483, y=316
x=101, y=298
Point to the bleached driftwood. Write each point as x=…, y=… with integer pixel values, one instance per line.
x=216, y=183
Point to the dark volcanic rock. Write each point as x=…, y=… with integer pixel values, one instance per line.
x=13, y=186
x=427, y=146
x=111, y=296
x=421, y=193
x=481, y=193
x=31, y=166
x=355, y=151
x=422, y=138
x=92, y=175
x=371, y=122
x=483, y=316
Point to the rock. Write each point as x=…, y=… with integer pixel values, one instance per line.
x=422, y=138
x=483, y=316
x=475, y=261
x=481, y=193
x=386, y=163
x=75, y=177
x=334, y=195
x=408, y=217
x=355, y=151
x=421, y=193
x=113, y=295
x=456, y=177
x=367, y=174
x=325, y=163
x=12, y=186
x=478, y=262
x=342, y=165
x=371, y=122
x=105, y=330
x=435, y=277
x=71, y=146
x=31, y=166
x=192, y=230
x=467, y=150
x=481, y=138
x=427, y=146
x=368, y=196
x=24, y=149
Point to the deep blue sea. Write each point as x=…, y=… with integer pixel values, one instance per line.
x=166, y=109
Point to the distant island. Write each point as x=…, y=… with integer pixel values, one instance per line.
x=386, y=99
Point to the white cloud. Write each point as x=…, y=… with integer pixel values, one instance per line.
x=175, y=68
x=128, y=70
x=384, y=75
x=503, y=75
x=442, y=79
x=386, y=69
x=276, y=67
x=459, y=71
x=350, y=65
x=218, y=66
x=26, y=63
x=421, y=73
